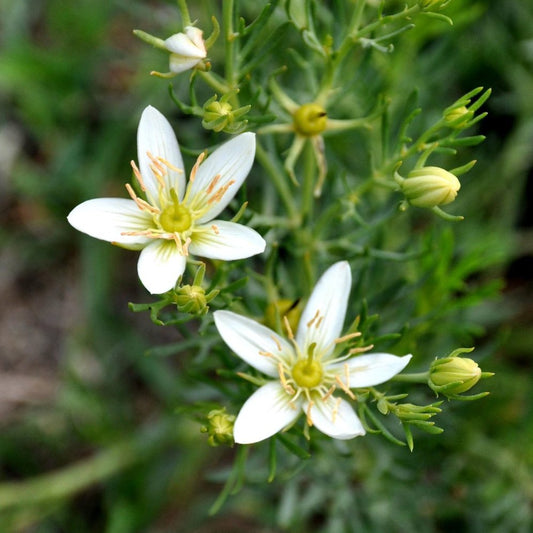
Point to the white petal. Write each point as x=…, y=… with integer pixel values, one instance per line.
x=181, y=64
x=195, y=35
x=219, y=239
x=183, y=45
x=266, y=412
x=329, y=298
x=247, y=338
x=109, y=218
x=372, y=369
x=336, y=418
x=155, y=136
x=232, y=161
x=160, y=265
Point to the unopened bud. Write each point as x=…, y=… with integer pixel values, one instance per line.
x=453, y=117
x=429, y=187
x=310, y=120
x=219, y=115
x=192, y=299
x=453, y=375
x=219, y=428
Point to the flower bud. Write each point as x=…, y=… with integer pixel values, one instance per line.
x=186, y=49
x=453, y=375
x=429, y=187
x=453, y=117
x=219, y=428
x=192, y=299
x=219, y=115
x=310, y=120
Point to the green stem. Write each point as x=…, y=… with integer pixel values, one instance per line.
x=415, y=377
x=308, y=182
x=230, y=48
x=277, y=175
x=185, y=17
x=219, y=86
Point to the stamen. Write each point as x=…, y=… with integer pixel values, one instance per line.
x=283, y=380
x=214, y=181
x=319, y=321
x=361, y=349
x=141, y=204
x=146, y=233
x=220, y=193
x=310, y=323
x=170, y=165
x=328, y=393
x=347, y=337
x=288, y=327
x=276, y=341
x=158, y=175
x=344, y=387
x=185, y=249
x=308, y=413
x=335, y=410
x=201, y=157
x=156, y=164
x=267, y=354
x=214, y=227
x=138, y=176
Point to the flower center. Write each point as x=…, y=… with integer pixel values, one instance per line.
x=310, y=120
x=175, y=218
x=307, y=374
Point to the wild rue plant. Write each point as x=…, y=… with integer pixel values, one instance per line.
x=282, y=100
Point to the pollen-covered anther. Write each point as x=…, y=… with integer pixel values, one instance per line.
x=361, y=349
x=143, y=205
x=138, y=175
x=194, y=170
x=329, y=393
x=214, y=227
x=185, y=248
x=344, y=387
x=278, y=345
x=347, y=337
x=283, y=380
x=317, y=314
x=266, y=354
x=287, y=325
x=308, y=413
x=212, y=184
x=220, y=192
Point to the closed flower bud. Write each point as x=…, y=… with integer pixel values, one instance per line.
x=453, y=117
x=219, y=428
x=453, y=375
x=429, y=187
x=192, y=299
x=310, y=120
x=219, y=115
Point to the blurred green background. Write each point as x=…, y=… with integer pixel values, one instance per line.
x=80, y=402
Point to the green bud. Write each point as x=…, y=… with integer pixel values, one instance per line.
x=310, y=120
x=192, y=299
x=219, y=428
x=453, y=375
x=219, y=115
x=429, y=187
x=453, y=117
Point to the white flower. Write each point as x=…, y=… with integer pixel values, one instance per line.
x=307, y=370
x=186, y=49
x=174, y=219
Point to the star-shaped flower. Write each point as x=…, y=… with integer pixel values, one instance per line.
x=173, y=219
x=308, y=370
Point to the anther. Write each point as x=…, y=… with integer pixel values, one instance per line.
x=276, y=341
x=361, y=349
x=214, y=181
x=141, y=204
x=335, y=410
x=344, y=387
x=214, y=227
x=310, y=323
x=308, y=413
x=347, y=337
x=138, y=175
x=201, y=157
x=288, y=327
x=328, y=393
